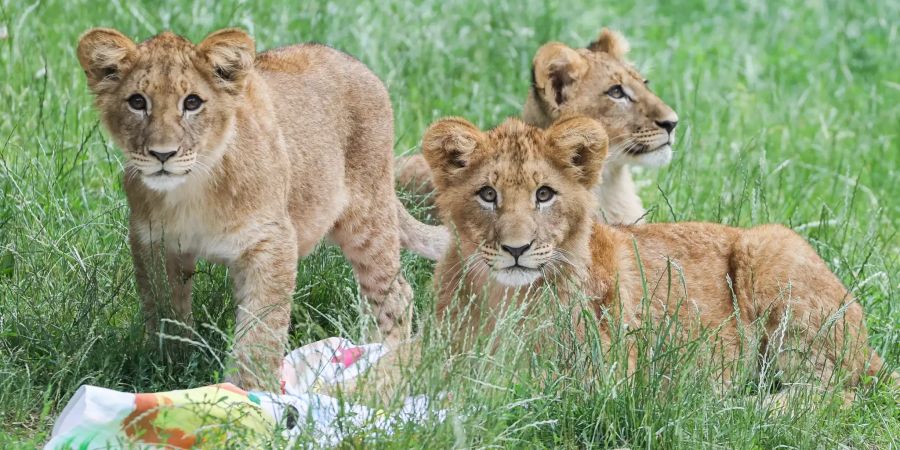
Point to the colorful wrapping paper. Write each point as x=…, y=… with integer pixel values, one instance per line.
x=96, y=417
x=207, y=417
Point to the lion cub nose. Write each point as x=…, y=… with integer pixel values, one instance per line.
x=162, y=156
x=516, y=252
x=667, y=125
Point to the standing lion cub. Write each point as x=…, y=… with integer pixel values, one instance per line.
x=250, y=160
x=520, y=198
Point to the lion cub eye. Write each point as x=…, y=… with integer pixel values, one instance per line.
x=544, y=194
x=137, y=102
x=487, y=194
x=192, y=102
x=616, y=92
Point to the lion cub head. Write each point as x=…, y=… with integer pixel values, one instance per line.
x=519, y=196
x=168, y=104
x=599, y=82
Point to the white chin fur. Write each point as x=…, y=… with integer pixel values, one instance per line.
x=163, y=183
x=516, y=277
x=657, y=158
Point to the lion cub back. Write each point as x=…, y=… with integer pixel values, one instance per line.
x=328, y=99
x=680, y=261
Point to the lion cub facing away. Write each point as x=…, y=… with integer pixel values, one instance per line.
x=520, y=199
x=250, y=160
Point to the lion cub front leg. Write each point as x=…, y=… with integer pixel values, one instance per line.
x=370, y=241
x=264, y=276
x=168, y=296
x=180, y=267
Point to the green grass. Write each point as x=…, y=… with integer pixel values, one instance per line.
x=789, y=113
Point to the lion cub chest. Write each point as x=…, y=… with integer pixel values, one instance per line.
x=191, y=223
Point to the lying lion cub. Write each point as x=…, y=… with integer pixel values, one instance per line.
x=250, y=160
x=520, y=199
x=599, y=82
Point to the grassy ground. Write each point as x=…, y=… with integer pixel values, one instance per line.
x=789, y=113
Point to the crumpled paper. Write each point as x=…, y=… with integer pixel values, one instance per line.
x=100, y=418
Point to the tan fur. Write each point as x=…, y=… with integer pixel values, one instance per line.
x=780, y=285
x=569, y=81
x=289, y=146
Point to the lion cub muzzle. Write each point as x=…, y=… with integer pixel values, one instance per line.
x=517, y=265
x=163, y=168
x=517, y=255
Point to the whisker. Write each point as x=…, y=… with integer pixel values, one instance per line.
x=465, y=265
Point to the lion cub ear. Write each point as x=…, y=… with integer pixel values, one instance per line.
x=230, y=54
x=556, y=71
x=611, y=42
x=448, y=145
x=579, y=145
x=105, y=54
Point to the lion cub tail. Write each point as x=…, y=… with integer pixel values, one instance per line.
x=427, y=241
